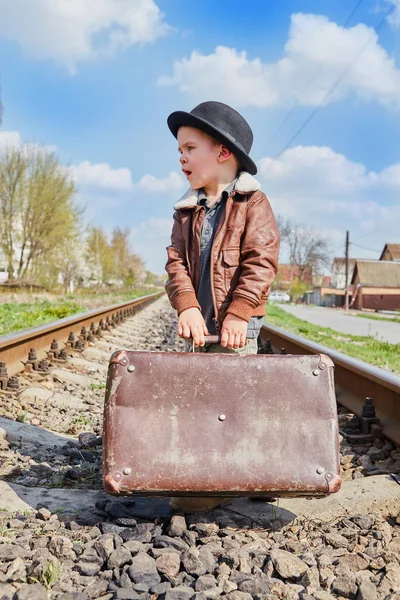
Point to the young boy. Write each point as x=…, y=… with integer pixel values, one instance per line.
x=224, y=247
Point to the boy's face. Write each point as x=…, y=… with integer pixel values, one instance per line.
x=199, y=156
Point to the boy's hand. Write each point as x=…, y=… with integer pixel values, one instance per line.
x=233, y=332
x=191, y=325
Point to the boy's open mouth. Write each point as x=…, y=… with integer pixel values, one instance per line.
x=187, y=173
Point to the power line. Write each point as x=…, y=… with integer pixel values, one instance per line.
x=377, y=229
x=364, y=247
x=338, y=80
x=313, y=76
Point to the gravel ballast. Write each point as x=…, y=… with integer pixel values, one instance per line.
x=115, y=550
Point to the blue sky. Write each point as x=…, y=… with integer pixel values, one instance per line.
x=96, y=79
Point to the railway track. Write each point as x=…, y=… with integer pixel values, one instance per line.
x=354, y=380
x=100, y=548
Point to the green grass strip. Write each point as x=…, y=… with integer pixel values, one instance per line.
x=15, y=317
x=19, y=316
x=378, y=318
x=366, y=348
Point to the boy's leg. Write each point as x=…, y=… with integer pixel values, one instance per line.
x=250, y=347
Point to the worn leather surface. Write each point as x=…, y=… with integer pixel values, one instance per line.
x=217, y=424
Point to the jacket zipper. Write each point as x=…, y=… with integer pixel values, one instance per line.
x=215, y=319
x=197, y=217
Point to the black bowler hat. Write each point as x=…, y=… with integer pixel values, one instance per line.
x=221, y=122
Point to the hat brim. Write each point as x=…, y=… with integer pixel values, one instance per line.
x=180, y=118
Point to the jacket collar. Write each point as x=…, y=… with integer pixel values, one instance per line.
x=245, y=184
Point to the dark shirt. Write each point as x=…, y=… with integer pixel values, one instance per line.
x=212, y=218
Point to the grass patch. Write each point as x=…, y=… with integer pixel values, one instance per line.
x=107, y=297
x=366, y=348
x=49, y=575
x=15, y=317
x=379, y=318
x=97, y=386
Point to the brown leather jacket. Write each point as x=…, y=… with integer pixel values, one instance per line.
x=244, y=256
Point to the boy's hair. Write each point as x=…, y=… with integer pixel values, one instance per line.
x=222, y=123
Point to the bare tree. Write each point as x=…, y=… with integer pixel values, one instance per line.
x=309, y=249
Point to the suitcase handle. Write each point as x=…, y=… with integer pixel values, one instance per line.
x=212, y=339
x=208, y=339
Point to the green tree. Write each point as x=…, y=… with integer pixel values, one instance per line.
x=150, y=278
x=49, y=216
x=99, y=255
x=38, y=213
x=298, y=289
x=128, y=266
x=12, y=180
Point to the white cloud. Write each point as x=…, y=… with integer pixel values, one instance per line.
x=69, y=31
x=225, y=74
x=10, y=139
x=231, y=76
x=327, y=172
x=171, y=184
x=324, y=189
x=101, y=175
x=13, y=139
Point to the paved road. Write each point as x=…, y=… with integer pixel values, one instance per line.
x=339, y=321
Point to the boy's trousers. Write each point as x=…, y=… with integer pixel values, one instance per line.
x=250, y=347
x=190, y=503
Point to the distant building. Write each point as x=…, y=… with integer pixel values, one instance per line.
x=287, y=273
x=322, y=281
x=325, y=296
x=338, y=272
x=391, y=252
x=329, y=290
x=376, y=284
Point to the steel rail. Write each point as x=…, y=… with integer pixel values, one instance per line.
x=15, y=347
x=354, y=379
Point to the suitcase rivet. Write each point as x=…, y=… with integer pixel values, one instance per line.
x=222, y=417
x=320, y=470
x=131, y=368
x=315, y=372
x=117, y=476
x=127, y=471
x=322, y=366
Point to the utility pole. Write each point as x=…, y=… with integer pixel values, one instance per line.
x=346, y=285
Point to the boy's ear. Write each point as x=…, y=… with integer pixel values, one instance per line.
x=224, y=154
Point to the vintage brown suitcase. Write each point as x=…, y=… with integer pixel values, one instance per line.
x=220, y=425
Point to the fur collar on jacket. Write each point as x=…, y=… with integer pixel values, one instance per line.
x=245, y=184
